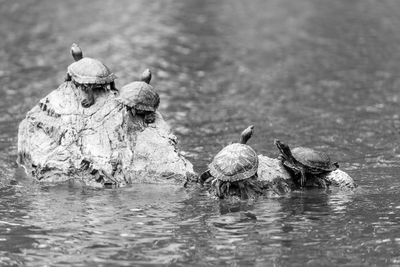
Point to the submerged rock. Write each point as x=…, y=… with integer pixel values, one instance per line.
x=101, y=145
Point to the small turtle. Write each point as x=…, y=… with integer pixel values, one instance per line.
x=89, y=74
x=140, y=97
x=305, y=161
x=233, y=165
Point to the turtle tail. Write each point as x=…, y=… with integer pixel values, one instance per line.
x=286, y=153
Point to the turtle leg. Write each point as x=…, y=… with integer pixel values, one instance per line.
x=68, y=78
x=204, y=176
x=108, y=180
x=149, y=117
x=89, y=98
x=323, y=183
x=139, y=113
x=131, y=111
x=302, y=177
x=218, y=189
x=224, y=190
x=112, y=86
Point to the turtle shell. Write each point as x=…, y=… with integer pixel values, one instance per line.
x=234, y=162
x=139, y=95
x=316, y=160
x=90, y=71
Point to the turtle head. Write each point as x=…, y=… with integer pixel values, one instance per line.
x=281, y=146
x=146, y=76
x=76, y=52
x=246, y=134
x=278, y=143
x=286, y=153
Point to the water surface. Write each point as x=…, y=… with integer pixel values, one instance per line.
x=315, y=73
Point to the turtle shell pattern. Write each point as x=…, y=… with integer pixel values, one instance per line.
x=313, y=159
x=90, y=71
x=234, y=162
x=140, y=96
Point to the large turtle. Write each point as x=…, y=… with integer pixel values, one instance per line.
x=305, y=161
x=234, y=169
x=140, y=97
x=89, y=74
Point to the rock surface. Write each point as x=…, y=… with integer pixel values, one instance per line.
x=272, y=172
x=101, y=145
x=341, y=179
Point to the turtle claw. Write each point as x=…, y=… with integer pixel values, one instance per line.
x=85, y=164
x=87, y=102
x=42, y=106
x=150, y=118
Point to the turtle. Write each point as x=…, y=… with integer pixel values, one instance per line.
x=89, y=74
x=140, y=97
x=305, y=161
x=232, y=166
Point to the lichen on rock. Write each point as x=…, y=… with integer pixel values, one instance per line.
x=101, y=145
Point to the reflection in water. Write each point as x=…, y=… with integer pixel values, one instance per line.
x=321, y=74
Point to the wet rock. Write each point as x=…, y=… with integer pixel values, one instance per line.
x=101, y=145
x=341, y=179
x=272, y=173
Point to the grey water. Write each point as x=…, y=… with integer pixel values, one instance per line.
x=317, y=73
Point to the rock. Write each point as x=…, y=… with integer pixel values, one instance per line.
x=101, y=145
x=341, y=179
x=271, y=171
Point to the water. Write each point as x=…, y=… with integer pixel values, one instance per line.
x=316, y=73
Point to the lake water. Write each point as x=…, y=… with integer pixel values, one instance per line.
x=316, y=73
